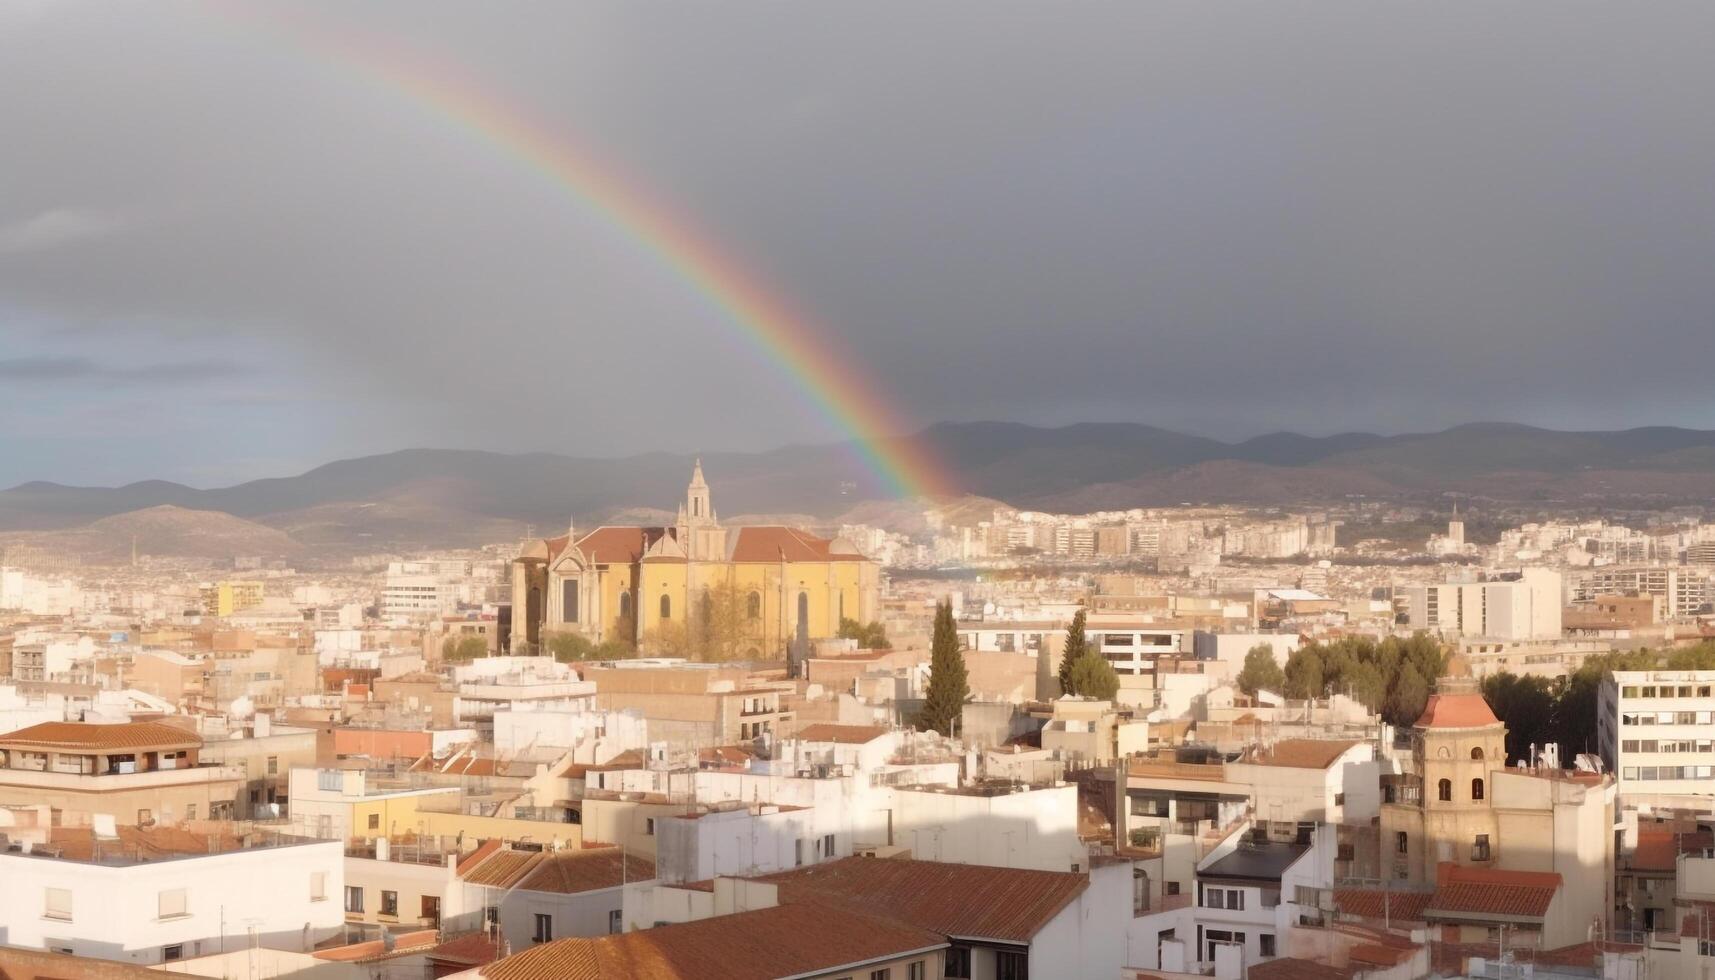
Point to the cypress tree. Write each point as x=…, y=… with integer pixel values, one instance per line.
x=1094, y=677
x=1075, y=646
x=948, y=685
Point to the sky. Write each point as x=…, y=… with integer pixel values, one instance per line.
x=228, y=252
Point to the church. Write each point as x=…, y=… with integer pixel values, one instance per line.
x=629, y=582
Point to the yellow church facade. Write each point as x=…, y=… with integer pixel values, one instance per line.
x=630, y=583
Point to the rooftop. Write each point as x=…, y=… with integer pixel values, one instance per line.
x=930, y=895
x=1303, y=753
x=68, y=736
x=1255, y=861
x=1460, y=710
x=842, y=734
x=141, y=845
x=785, y=940
x=1490, y=891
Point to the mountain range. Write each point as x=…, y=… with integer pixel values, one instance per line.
x=423, y=497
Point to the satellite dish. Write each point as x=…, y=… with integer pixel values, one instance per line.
x=106, y=827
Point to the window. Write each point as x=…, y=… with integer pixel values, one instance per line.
x=273, y=765
x=1172, y=888
x=430, y=907
x=1444, y=790
x=1477, y=753
x=173, y=952
x=145, y=817
x=190, y=811
x=353, y=898
x=1339, y=799
x=1476, y=789
x=885, y=973
x=1480, y=848
x=615, y=922
x=1011, y=965
x=916, y=971
x=329, y=780
x=958, y=963
x=649, y=827
x=544, y=928
x=666, y=607
x=753, y=605
x=390, y=903
x=569, y=601
x=828, y=845
x=798, y=853
x=1400, y=842
x=318, y=886
x=1266, y=944
x=56, y=903
x=375, y=821
x=171, y=904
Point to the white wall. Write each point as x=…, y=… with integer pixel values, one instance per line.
x=114, y=909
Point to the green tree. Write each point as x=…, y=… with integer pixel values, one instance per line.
x=1699, y=657
x=1261, y=671
x=461, y=648
x=1094, y=677
x=722, y=629
x=1367, y=685
x=1074, y=649
x=1526, y=706
x=1407, y=694
x=948, y=681
x=569, y=647
x=869, y=636
x=1304, y=673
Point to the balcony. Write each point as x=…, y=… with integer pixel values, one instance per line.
x=118, y=782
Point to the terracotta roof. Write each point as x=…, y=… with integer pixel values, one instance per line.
x=404, y=944
x=785, y=940
x=1304, y=753
x=843, y=734
x=1463, y=891
x=1373, y=903
x=468, y=950
x=31, y=964
x=77, y=736
x=568, y=872
x=1659, y=850
x=768, y=543
x=500, y=869
x=78, y=843
x=476, y=857
x=1015, y=904
x=1292, y=968
x=1456, y=711
x=1375, y=954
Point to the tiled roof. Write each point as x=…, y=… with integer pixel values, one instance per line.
x=931, y=895
x=404, y=944
x=843, y=734
x=32, y=964
x=1463, y=891
x=768, y=543
x=476, y=857
x=79, y=843
x=500, y=869
x=1292, y=968
x=1456, y=711
x=1659, y=850
x=1371, y=903
x=587, y=869
x=468, y=950
x=1304, y=753
x=76, y=736
x=785, y=940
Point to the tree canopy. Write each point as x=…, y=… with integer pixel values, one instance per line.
x=1261, y=671
x=1072, y=651
x=461, y=648
x=1391, y=677
x=948, y=682
x=869, y=636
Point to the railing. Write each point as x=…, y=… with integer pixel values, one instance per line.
x=98, y=782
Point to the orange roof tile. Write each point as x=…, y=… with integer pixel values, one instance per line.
x=785, y=940
x=589, y=869
x=842, y=734
x=78, y=736
x=772, y=543
x=1292, y=968
x=1375, y=903
x=468, y=950
x=1457, y=711
x=1659, y=850
x=476, y=857
x=931, y=895
x=1490, y=891
x=501, y=868
x=1304, y=753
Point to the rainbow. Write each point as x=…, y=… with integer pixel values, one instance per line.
x=805, y=354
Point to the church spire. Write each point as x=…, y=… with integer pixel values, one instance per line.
x=698, y=509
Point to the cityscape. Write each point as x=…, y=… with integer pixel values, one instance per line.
x=859, y=492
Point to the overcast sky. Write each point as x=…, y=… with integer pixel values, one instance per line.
x=224, y=255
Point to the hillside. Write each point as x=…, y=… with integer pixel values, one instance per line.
x=164, y=530
x=422, y=497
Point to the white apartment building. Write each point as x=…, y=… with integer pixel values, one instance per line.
x=1523, y=608
x=1655, y=730
x=97, y=899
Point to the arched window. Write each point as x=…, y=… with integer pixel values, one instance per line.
x=708, y=610
x=804, y=608
x=1443, y=790
x=666, y=608
x=753, y=605
x=625, y=605
x=1477, y=753
x=1400, y=841
x=1476, y=789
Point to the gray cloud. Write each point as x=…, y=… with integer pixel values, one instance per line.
x=63, y=369
x=56, y=229
x=1228, y=218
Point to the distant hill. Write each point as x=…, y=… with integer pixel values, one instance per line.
x=165, y=530
x=420, y=497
